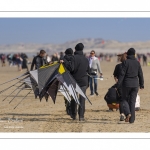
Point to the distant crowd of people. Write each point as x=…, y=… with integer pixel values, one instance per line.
x=20, y=60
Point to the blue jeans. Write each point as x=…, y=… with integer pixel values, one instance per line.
x=95, y=84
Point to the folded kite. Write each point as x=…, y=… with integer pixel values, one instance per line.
x=46, y=82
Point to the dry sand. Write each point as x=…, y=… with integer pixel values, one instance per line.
x=35, y=116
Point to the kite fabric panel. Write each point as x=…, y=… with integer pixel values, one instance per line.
x=53, y=89
x=45, y=74
x=34, y=74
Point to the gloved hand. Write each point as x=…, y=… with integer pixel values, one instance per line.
x=141, y=87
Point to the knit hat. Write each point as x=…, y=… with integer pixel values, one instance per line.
x=69, y=51
x=131, y=51
x=79, y=47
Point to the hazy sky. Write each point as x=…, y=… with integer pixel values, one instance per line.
x=60, y=30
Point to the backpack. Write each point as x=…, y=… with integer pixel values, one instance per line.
x=112, y=96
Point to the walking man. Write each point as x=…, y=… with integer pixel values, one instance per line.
x=131, y=78
x=95, y=68
x=79, y=68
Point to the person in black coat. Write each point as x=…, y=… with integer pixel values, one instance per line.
x=68, y=56
x=79, y=67
x=131, y=79
x=117, y=71
x=39, y=61
x=25, y=61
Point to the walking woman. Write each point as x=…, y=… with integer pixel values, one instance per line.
x=117, y=71
x=131, y=79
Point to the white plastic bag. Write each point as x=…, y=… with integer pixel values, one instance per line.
x=137, y=103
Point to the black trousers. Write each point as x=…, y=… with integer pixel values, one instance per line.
x=81, y=108
x=129, y=95
x=121, y=110
x=120, y=101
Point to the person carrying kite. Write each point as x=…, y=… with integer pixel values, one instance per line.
x=79, y=68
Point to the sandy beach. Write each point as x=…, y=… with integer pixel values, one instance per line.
x=35, y=116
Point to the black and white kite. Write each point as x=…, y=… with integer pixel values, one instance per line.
x=45, y=82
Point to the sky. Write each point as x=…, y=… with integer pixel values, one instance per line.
x=61, y=30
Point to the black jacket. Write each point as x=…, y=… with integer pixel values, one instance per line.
x=117, y=70
x=38, y=61
x=131, y=74
x=116, y=74
x=79, y=67
x=68, y=59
